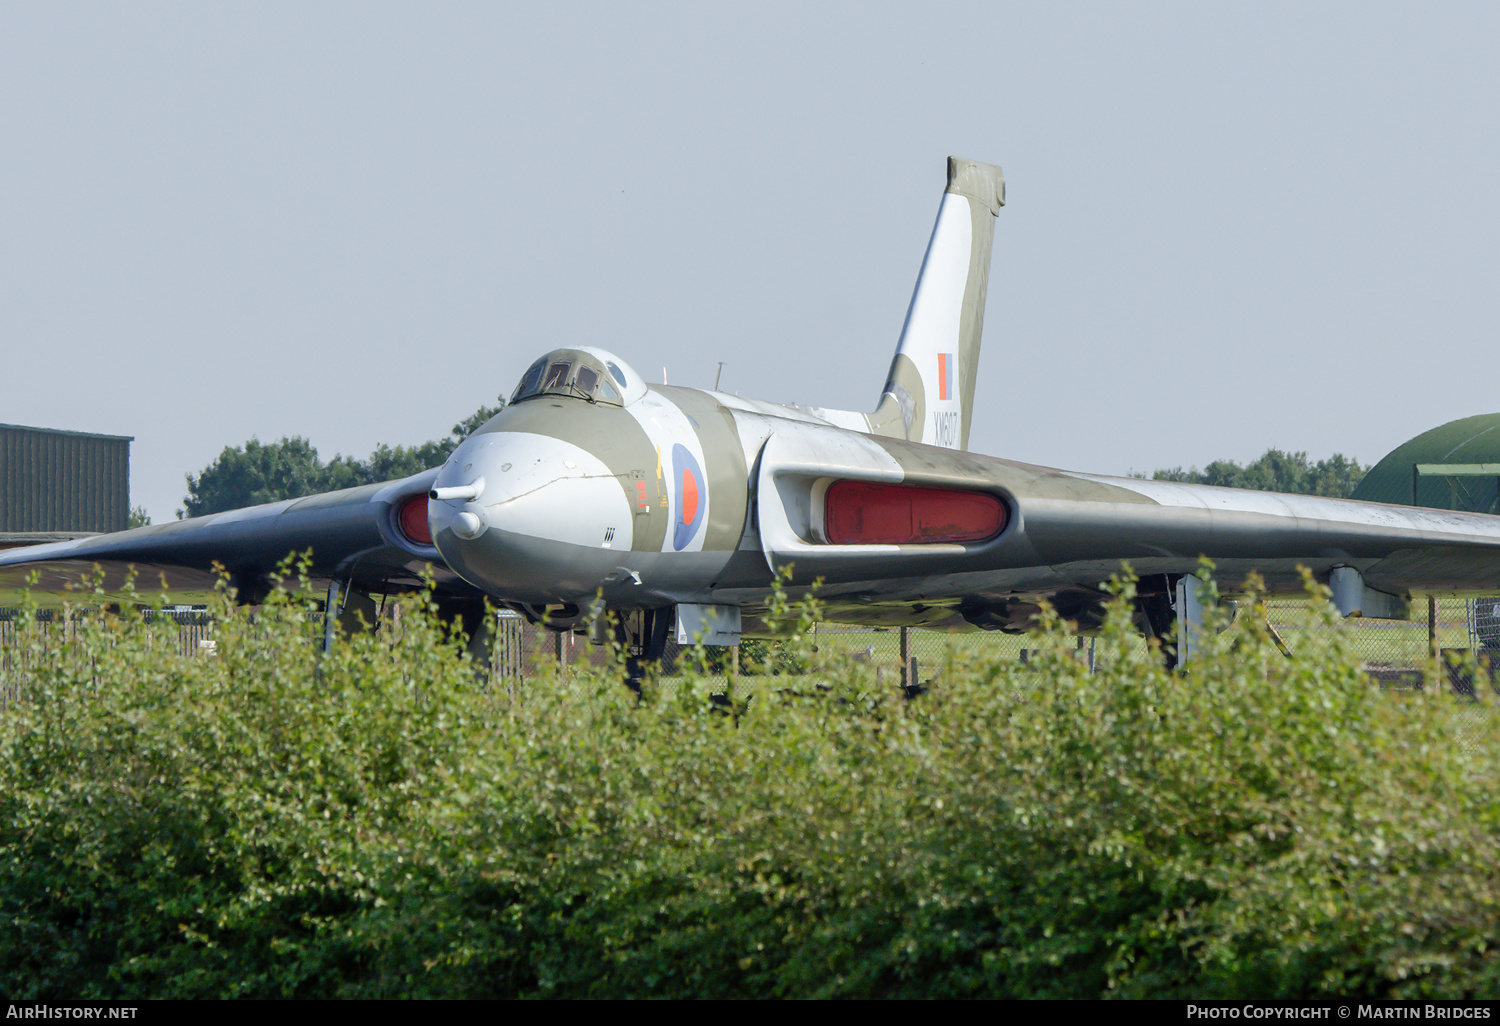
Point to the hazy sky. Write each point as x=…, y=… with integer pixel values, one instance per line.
x=1230, y=226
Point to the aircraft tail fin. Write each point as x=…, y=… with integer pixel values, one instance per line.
x=929, y=393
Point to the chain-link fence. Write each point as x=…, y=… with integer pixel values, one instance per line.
x=193, y=636
x=1393, y=652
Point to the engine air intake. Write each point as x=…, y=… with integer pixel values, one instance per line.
x=872, y=513
x=412, y=519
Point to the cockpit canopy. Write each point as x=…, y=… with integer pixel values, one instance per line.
x=582, y=373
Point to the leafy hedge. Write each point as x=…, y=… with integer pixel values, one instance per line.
x=269, y=822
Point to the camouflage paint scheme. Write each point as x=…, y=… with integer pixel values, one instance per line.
x=592, y=483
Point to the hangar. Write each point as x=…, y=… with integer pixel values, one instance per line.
x=56, y=485
x=1454, y=466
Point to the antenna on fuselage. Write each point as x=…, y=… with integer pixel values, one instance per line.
x=718, y=374
x=664, y=375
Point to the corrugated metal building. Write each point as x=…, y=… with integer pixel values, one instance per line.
x=62, y=483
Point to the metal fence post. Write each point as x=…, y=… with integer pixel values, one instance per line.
x=905, y=657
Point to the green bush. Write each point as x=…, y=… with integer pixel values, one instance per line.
x=269, y=822
x=770, y=657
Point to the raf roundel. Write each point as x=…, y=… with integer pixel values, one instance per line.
x=692, y=497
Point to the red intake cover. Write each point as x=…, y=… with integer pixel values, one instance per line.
x=412, y=519
x=871, y=513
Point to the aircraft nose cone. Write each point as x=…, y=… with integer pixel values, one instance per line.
x=543, y=513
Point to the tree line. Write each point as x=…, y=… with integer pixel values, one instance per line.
x=259, y=472
x=1277, y=471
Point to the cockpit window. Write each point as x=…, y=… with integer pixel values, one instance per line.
x=530, y=381
x=571, y=373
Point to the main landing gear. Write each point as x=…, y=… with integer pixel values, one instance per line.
x=1171, y=609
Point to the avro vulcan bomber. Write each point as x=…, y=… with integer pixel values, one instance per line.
x=594, y=498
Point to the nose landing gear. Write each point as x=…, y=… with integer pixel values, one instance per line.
x=642, y=633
